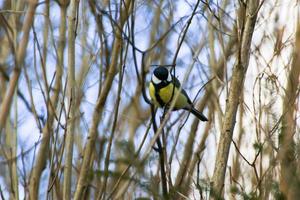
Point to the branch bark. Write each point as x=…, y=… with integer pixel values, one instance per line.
x=21, y=51
x=97, y=114
x=232, y=102
x=289, y=179
x=47, y=130
x=71, y=87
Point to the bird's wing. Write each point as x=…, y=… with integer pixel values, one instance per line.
x=177, y=84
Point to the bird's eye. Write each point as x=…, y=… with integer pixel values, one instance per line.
x=155, y=80
x=169, y=77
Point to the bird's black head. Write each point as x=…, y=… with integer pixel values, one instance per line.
x=161, y=75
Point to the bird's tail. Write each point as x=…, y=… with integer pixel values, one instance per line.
x=197, y=113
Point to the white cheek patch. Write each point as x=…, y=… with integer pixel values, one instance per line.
x=169, y=77
x=155, y=80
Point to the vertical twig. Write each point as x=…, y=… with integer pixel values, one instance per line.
x=236, y=86
x=72, y=95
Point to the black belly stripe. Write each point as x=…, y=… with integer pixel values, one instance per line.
x=156, y=93
x=158, y=99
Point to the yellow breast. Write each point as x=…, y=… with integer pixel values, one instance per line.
x=152, y=94
x=166, y=94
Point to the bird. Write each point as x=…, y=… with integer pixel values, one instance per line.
x=161, y=90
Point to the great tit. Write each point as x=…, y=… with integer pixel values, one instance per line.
x=161, y=89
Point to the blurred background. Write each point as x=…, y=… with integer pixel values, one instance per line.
x=75, y=115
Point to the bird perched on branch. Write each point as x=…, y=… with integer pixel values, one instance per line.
x=162, y=91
